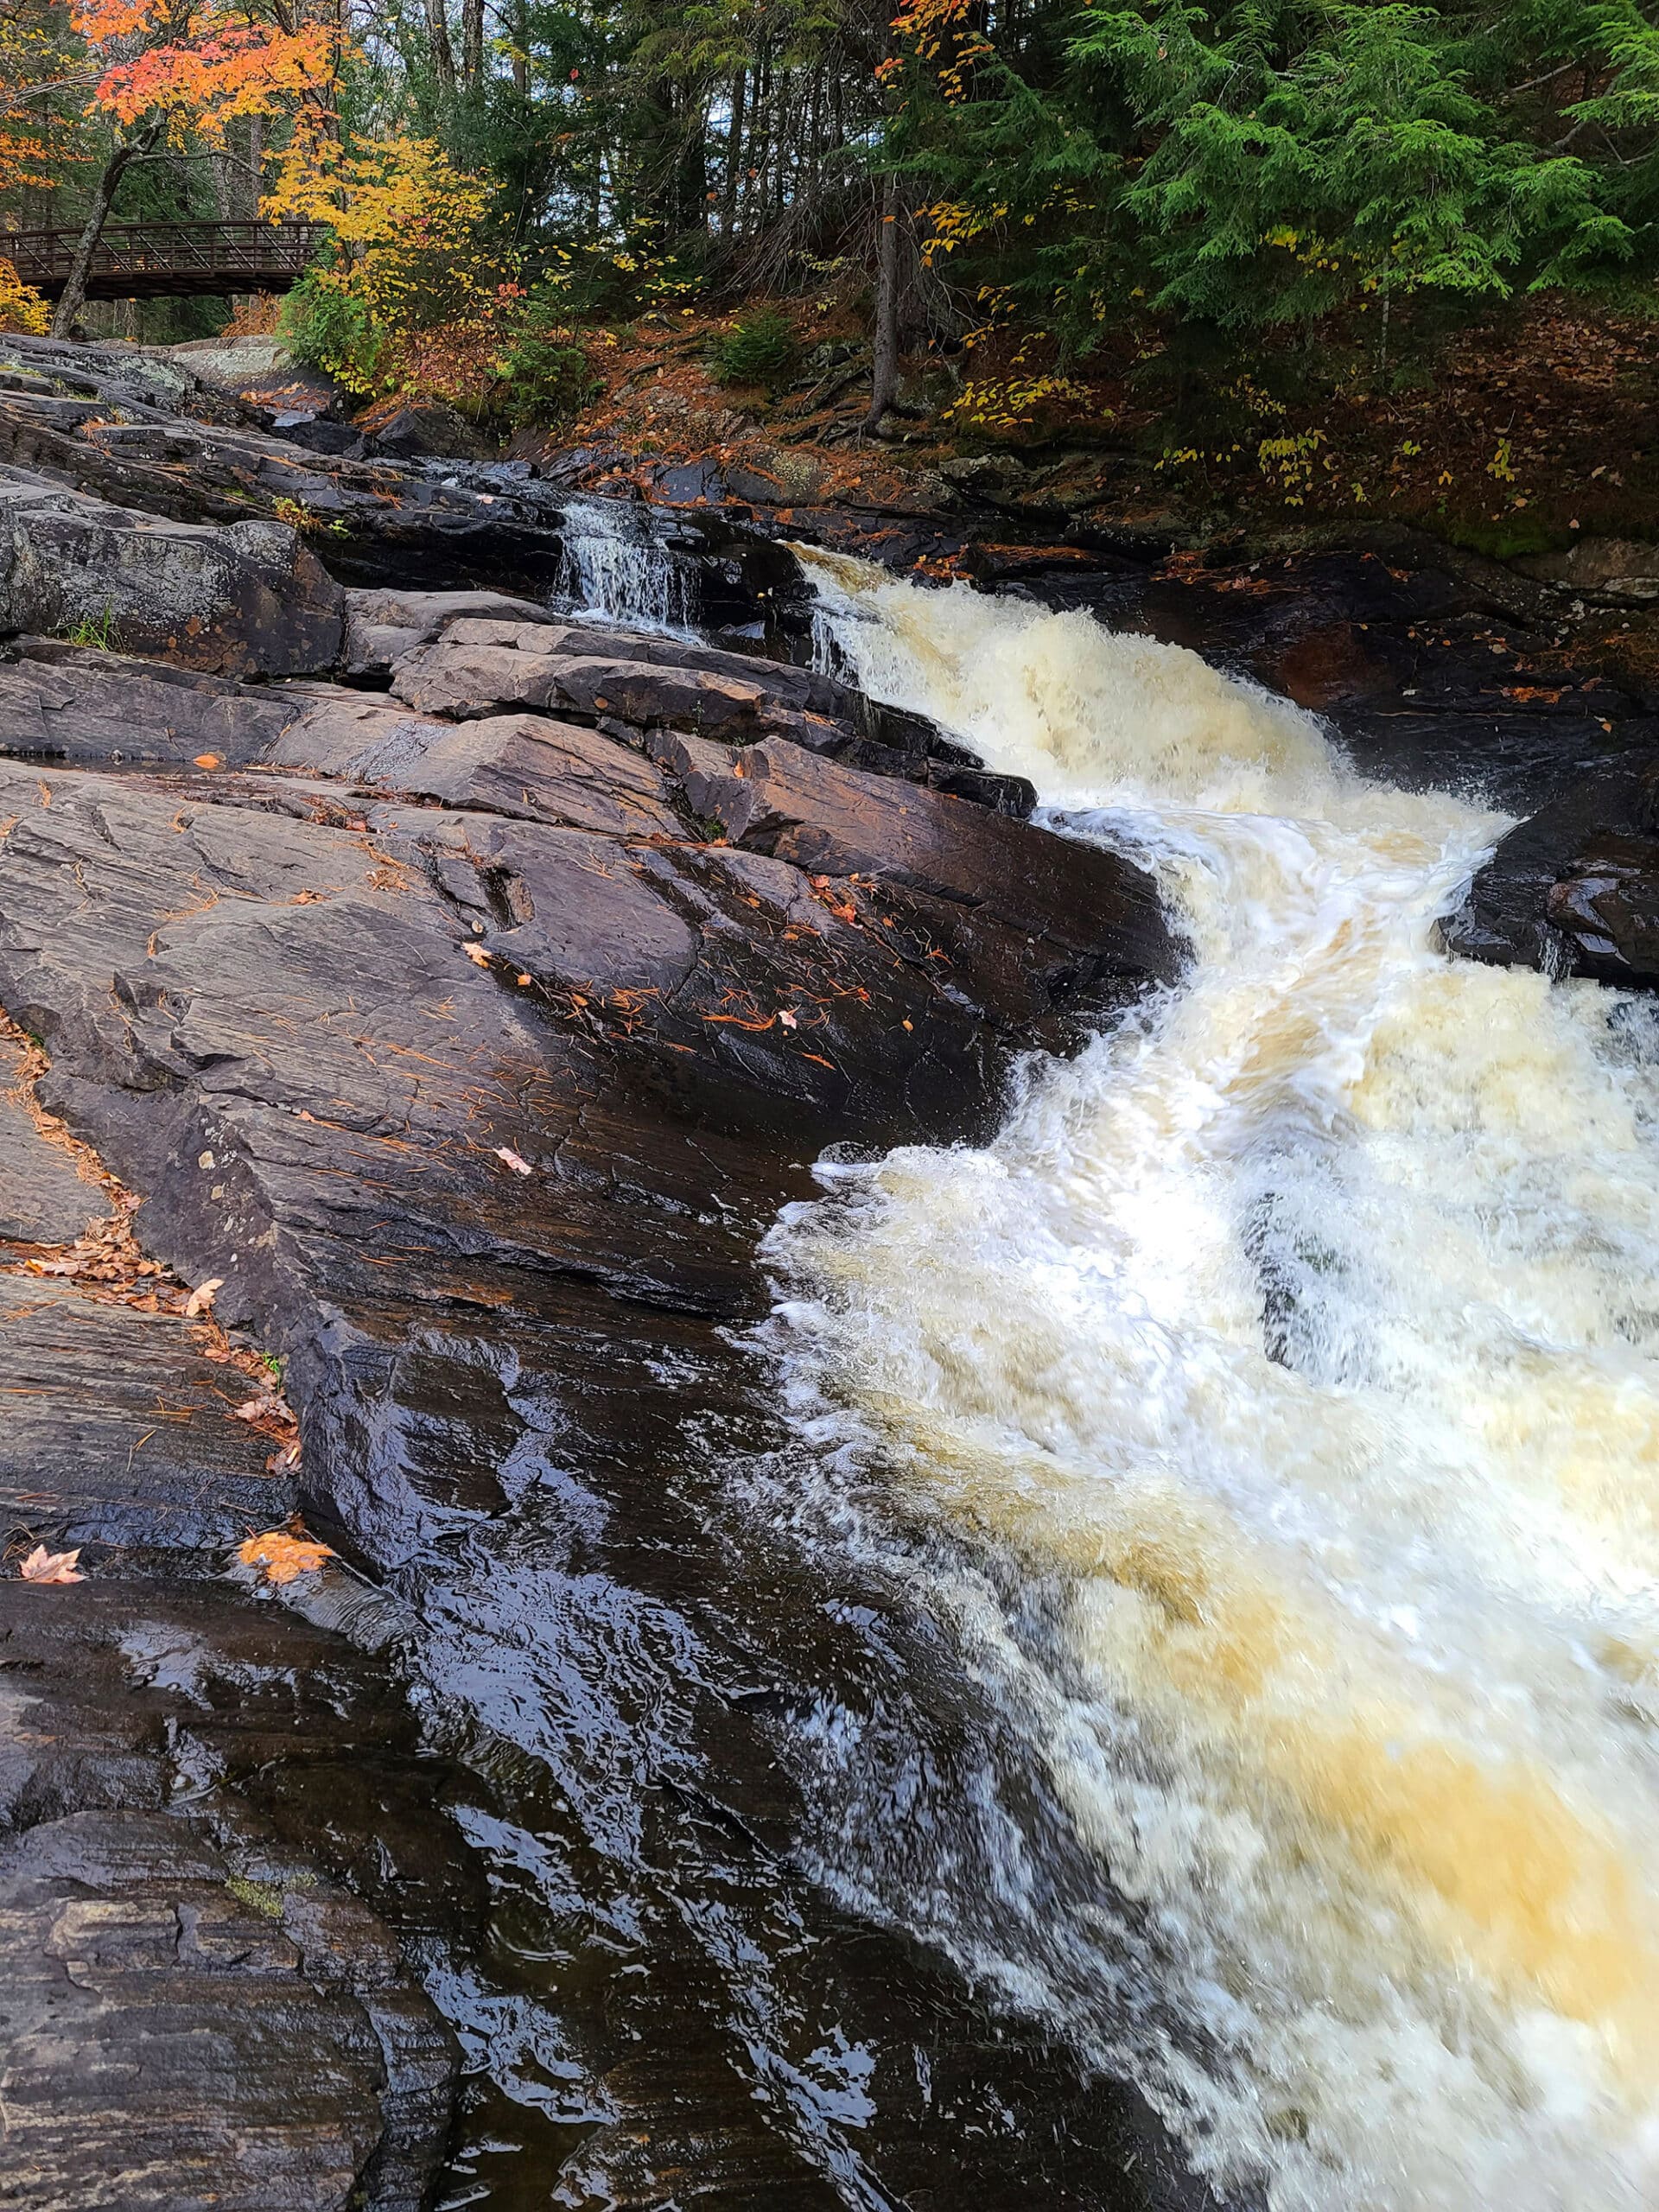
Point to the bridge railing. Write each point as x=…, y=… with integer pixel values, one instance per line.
x=153, y=260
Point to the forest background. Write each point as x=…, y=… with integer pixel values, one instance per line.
x=1317, y=256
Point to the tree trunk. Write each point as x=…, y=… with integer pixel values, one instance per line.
x=472, y=42
x=443, y=55
x=734, y=154
x=74, y=291
x=884, y=370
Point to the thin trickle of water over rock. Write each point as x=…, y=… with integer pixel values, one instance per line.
x=1273, y=1406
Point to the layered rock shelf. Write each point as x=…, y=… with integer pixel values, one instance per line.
x=446, y=982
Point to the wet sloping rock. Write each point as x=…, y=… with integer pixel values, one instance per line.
x=192, y=2013
x=227, y=971
x=248, y=598
x=42, y=1199
x=1573, y=890
x=972, y=873
x=78, y=702
x=151, y=1453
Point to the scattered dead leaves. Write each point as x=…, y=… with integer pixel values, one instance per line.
x=109, y=1265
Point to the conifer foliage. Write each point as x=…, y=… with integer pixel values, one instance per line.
x=512, y=170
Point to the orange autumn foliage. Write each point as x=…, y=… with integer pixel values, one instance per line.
x=283, y=1555
x=201, y=65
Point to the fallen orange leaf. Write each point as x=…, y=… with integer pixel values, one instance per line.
x=201, y=1298
x=207, y=760
x=42, y=1566
x=283, y=1557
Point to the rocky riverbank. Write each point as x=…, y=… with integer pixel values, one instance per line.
x=429, y=1024
x=458, y=990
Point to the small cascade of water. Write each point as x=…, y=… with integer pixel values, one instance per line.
x=616, y=569
x=1273, y=1409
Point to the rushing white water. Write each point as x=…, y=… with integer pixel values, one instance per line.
x=1297, y=1343
x=614, y=569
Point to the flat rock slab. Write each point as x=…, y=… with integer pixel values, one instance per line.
x=526, y=766
x=117, y=1431
x=65, y=701
x=42, y=1199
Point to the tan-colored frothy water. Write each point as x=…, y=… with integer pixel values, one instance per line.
x=1302, y=1335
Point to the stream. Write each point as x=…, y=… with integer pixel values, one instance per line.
x=1273, y=1409
x=1136, y=1688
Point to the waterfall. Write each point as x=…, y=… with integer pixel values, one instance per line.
x=616, y=569
x=1273, y=1410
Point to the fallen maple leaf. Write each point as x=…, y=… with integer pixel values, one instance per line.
x=268, y=1406
x=201, y=1298
x=42, y=1566
x=516, y=1160
x=282, y=1555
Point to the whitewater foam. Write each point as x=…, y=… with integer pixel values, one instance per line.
x=1297, y=1344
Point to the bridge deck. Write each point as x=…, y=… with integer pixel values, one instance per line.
x=152, y=261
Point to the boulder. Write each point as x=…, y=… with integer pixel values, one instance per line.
x=418, y=429
x=1604, y=568
x=1574, y=889
x=246, y=600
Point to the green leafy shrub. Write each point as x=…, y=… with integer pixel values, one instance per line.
x=332, y=331
x=546, y=377
x=759, y=348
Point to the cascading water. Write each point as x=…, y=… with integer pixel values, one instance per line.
x=1273, y=1409
x=615, y=569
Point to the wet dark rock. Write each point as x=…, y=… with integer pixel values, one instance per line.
x=191, y=2013
x=42, y=1199
x=974, y=872
x=422, y=429
x=1573, y=890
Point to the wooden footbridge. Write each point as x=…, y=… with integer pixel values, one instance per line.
x=156, y=261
